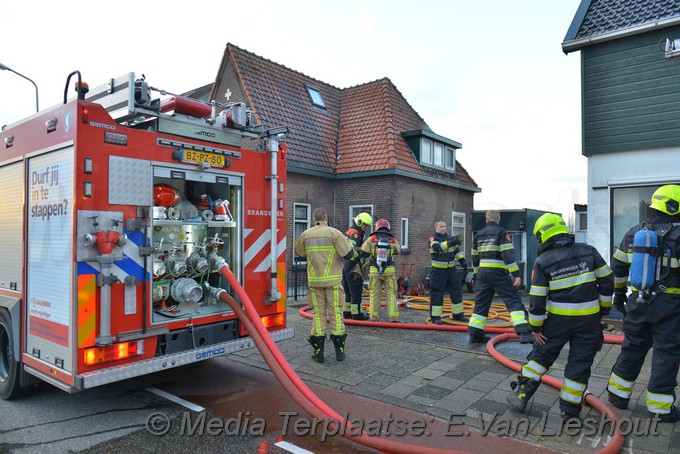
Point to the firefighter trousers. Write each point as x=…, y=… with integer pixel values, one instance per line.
x=376, y=283
x=353, y=284
x=657, y=324
x=585, y=339
x=441, y=280
x=327, y=302
x=489, y=282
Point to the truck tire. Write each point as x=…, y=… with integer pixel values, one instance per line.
x=9, y=368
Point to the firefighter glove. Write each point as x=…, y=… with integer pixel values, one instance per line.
x=463, y=263
x=619, y=301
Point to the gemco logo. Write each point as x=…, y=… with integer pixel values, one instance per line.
x=209, y=353
x=203, y=133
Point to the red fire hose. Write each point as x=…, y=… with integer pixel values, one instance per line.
x=505, y=334
x=292, y=383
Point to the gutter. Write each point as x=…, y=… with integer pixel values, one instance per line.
x=571, y=46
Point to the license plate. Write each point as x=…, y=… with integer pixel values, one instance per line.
x=201, y=156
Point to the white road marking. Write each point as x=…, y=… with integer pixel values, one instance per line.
x=175, y=399
x=292, y=448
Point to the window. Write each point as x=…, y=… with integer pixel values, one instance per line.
x=438, y=151
x=426, y=151
x=315, y=96
x=582, y=223
x=302, y=219
x=458, y=228
x=404, y=233
x=450, y=158
x=630, y=206
x=354, y=210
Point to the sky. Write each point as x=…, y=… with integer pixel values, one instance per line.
x=490, y=75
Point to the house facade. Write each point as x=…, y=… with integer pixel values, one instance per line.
x=362, y=148
x=630, y=109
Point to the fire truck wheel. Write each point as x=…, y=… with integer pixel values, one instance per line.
x=9, y=368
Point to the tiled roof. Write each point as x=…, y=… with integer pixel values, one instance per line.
x=599, y=17
x=362, y=124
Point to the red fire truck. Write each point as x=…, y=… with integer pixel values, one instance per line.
x=117, y=211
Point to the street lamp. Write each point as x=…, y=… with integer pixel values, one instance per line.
x=6, y=68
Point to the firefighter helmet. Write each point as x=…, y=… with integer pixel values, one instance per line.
x=667, y=199
x=549, y=225
x=363, y=219
x=382, y=224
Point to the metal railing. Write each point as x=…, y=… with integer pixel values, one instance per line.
x=296, y=286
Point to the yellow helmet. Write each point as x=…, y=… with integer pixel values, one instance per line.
x=363, y=219
x=549, y=225
x=667, y=199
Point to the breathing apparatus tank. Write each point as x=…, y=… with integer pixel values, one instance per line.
x=382, y=254
x=643, y=266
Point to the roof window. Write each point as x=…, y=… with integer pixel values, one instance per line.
x=315, y=96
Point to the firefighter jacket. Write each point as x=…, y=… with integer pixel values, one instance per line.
x=355, y=235
x=370, y=246
x=669, y=274
x=492, y=248
x=569, y=279
x=445, y=251
x=324, y=247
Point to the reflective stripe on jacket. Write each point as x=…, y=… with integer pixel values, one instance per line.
x=324, y=247
x=492, y=248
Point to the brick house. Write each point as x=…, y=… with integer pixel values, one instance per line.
x=630, y=109
x=362, y=148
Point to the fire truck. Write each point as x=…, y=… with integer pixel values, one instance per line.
x=117, y=211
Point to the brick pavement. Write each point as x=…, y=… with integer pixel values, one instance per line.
x=438, y=373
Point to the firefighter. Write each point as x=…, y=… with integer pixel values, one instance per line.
x=652, y=318
x=382, y=247
x=571, y=290
x=493, y=261
x=445, y=252
x=323, y=246
x=352, y=273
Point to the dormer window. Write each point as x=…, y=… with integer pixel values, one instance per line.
x=315, y=96
x=433, y=150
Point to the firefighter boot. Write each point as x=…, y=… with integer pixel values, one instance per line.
x=525, y=336
x=361, y=315
x=460, y=318
x=477, y=336
x=317, y=344
x=339, y=343
x=523, y=389
x=618, y=401
x=436, y=320
x=347, y=315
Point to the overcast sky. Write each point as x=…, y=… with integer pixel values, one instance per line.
x=488, y=74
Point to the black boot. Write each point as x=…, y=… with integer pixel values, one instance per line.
x=347, y=315
x=477, y=336
x=524, y=388
x=618, y=401
x=436, y=320
x=525, y=336
x=317, y=344
x=460, y=318
x=360, y=316
x=339, y=343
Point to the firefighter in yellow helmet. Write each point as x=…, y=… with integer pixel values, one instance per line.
x=652, y=315
x=324, y=246
x=352, y=272
x=382, y=247
x=571, y=290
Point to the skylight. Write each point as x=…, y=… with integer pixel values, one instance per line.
x=315, y=96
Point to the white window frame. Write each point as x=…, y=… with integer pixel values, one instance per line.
x=438, y=155
x=456, y=218
x=426, y=157
x=356, y=209
x=307, y=223
x=452, y=152
x=404, y=233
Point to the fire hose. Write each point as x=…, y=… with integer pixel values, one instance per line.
x=614, y=445
x=294, y=385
